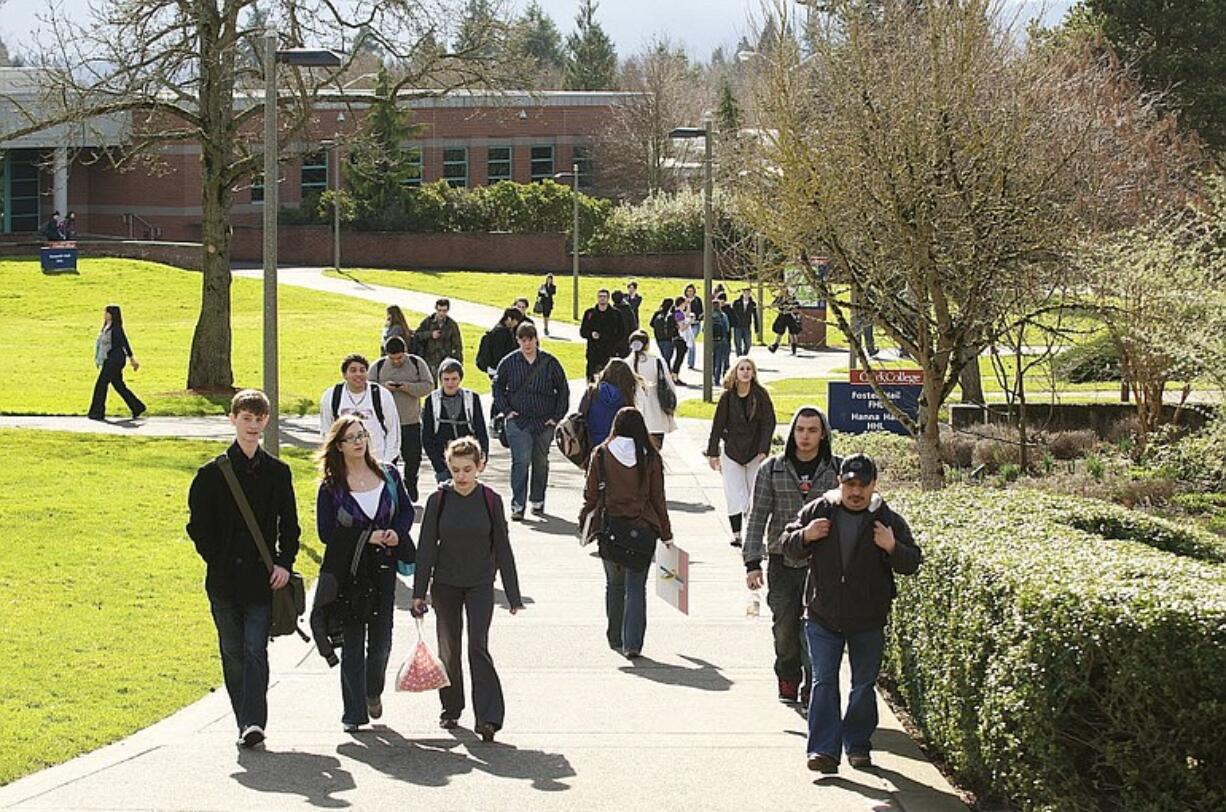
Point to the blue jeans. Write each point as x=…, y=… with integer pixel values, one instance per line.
x=625, y=604
x=690, y=355
x=720, y=365
x=828, y=733
x=665, y=348
x=364, y=655
x=528, y=450
x=741, y=341
x=242, y=635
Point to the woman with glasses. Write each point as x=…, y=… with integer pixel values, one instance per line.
x=363, y=501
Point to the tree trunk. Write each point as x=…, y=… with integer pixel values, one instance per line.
x=971, y=380
x=210, y=367
x=932, y=469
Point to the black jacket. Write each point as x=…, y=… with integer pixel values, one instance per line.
x=856, y=597
x=235, y=569
x=743, y=315
x=500, y=343
x=121, y=350
x=609, y=324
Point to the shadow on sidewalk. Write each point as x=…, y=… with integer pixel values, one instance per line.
x=316, y=778
x=434, y=762
x=554, y=526
x=704, y=678
x=919, y=796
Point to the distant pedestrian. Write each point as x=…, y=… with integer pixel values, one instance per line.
x=408, y=378
x=744, y=423
x=68, y=227
x=719, y=335
x=862, y=328
x=111, y=353
x=52, y=230
x=374, y=404
x=653, y=376
x=464, y=543
x=238, y=582
x=531, y=392
x=683, y=344
x=439, y=337
x=395, y=325
x=664, y=329
x=634, y=300
x=786, y=482
x=363, y=502
x=602, y=328
x=854, y=544
x=614, y=388
x=630, y=467
x=745, y=322
x=788, y=321
x=629, y=324
x=521, y=304
x=451, y=412
x=693, y=309
x=499, y=341
x=544, y=300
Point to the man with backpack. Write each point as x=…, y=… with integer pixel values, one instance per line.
x=408, y=378
x=449, y=412
x=369, y=401
x=498, y=342
x=719, y=335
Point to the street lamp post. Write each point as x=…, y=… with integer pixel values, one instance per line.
x=573, y=175
x=334, y=147
x=706, y=133
x=307, y=58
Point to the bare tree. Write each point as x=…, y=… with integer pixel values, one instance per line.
x=932, y=158
x=182, y=72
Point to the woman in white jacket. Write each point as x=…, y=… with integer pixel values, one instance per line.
x=653, y=372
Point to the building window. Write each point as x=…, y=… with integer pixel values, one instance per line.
x=498, y=165
x=314, y=172
x=21, y=181
x=413, y=156
x=455, y=166
x=257, y=188
x=542, y=162
x=582, y=156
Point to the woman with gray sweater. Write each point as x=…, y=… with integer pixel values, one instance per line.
x=463, y=543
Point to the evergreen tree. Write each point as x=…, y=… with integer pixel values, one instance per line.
x=378, y=167
x=728, y=117
x=481, y=33
x=591, y=61
x=536, y=38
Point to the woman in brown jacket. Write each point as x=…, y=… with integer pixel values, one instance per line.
x=745, y=422
x=634, y=490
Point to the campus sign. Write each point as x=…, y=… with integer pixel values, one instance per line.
x=855, y=408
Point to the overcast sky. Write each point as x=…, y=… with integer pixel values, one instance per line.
x=702, y=25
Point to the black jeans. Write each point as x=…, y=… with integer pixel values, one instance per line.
x=786, y=598
x=679, y=350
x=410, y=455
x=242, y=636
x=111, y=374
x=452, y=604
x=364, y=655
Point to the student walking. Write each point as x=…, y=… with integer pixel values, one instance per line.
x=693, y=310
x=408, y=379
x=544, y=300
x=664, y=328
x=745, y=423
x=238, y=582
x=719, y=335
x=451, y=412
x=616, y=386
x=464, y=542
x=395, y=326
x=375, y=405
x=786, y=482
x=854, y=544
x=439, y=337
x=111, y=352
x=499, y=341
x=635, y=300
x=745, y=322
x=656, y=398
x=602, y=327
x=629, y=466
x=364, y=502
x=684, y=342
x=788, y=320
x=532, y=394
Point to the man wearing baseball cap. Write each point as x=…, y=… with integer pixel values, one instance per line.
x=854, y=544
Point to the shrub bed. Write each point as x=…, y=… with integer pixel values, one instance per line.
x=1065, y=654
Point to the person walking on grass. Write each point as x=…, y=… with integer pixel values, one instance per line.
x=408, y=379
x=854, y=544
x=629, y=466
x=602, y=328
x=395, y=326
x=544, y=300
x=786, y=482
x=374, y=404
x=464, y=543
x=439, y=337
x=451, y=412
x=531, y=392
x=744, y=423
x=111, y=353
x=362, y=501
x=238, y=583
x=652, y=375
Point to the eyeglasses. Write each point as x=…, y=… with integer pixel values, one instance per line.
x=356, y=438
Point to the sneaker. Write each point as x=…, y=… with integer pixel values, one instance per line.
x=448, y=724
x=374, y=706
x=788, y=691
x=736, y=541
x=860, y=761
x=538, y=508
x=349, y=727
x=251, y=736
x=486, y=731
x=98, y=417
x=773, y=348
x=630, y=654
x=517, y=515
x=822, y=763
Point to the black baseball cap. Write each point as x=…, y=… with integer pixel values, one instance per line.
x=858, y=466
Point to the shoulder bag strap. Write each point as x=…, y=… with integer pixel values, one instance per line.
x=600, y=487
x=244, y=507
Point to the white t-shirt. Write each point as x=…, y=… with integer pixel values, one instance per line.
x=385, y=446
x=368, y=501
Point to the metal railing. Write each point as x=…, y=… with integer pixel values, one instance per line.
x=152, y=232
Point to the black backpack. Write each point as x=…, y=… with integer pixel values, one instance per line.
x=375, y=398
x=483, y=351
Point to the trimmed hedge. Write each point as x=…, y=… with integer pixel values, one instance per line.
x=1065, y=654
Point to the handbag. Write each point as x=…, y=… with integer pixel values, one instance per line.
x=539, y=306
x=289, y=602
x=620, y=540
x=422, y=670
x=664, y=390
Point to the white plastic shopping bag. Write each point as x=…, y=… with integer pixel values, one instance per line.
x=422, y=670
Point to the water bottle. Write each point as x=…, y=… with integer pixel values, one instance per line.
x=753, y=605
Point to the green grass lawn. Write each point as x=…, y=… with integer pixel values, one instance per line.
x=50, y=323
x=107, y=626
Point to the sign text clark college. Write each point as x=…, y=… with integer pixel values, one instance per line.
x=855, y=408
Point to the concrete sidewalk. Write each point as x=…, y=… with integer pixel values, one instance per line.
x=694, y=724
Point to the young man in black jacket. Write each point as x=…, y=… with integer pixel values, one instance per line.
x=854, y=544
x=238, y=583
x=603, y=329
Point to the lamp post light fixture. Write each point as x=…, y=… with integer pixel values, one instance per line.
x=705, y=132
x=573, y=174
x=306, y=58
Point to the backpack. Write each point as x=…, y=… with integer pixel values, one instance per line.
x=375, y=398
x=572, y=439
x=436, y=405
x=719, y=328
x=483, y=350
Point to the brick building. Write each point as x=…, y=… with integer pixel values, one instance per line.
x=467, y=139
